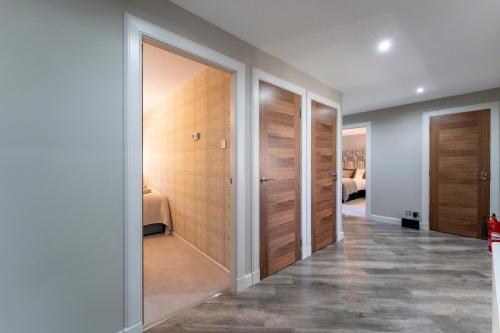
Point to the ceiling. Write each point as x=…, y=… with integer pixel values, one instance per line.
x=449, y=47
x=163, y=72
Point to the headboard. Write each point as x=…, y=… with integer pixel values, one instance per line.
x=353, y=159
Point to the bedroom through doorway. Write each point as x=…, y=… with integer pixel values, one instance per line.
x=354, y=175
x=187, y=195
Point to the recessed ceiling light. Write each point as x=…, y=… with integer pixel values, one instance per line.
x=384, y=45
x=420, y=90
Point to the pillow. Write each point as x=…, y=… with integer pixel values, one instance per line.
x=347, y=173
x=359, y=173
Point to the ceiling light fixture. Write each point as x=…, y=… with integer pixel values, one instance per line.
x=384, y=45
x=420, y=90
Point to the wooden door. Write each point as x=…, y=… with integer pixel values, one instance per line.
x=459, y=172
x=324, y=175
x=279, y=178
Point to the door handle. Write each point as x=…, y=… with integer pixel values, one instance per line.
x=265, y=180
x=484, y=176
x=333, y=175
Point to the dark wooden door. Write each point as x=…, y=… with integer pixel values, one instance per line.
x=324, y=174
x=460, y=172
x=279, y=178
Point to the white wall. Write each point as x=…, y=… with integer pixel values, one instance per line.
x=61, y=162
x=396, y=177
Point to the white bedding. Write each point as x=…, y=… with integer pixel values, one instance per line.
x=360, y=183
x=155, y=209
x=348, y=188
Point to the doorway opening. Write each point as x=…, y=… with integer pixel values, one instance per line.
x=354, y=171
x=187, y=185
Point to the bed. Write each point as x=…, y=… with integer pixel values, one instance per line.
x=155, y=213
x=353, y=184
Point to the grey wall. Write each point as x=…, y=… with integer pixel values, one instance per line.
x=353, y=142
x=397, y=150
x=61, y=162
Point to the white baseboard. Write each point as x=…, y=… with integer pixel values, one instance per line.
x=424, y=224
x=391, y=220
x=256, y=277
x=306, y=252
x=384, y=219
x=244, y=282
x=137, y=328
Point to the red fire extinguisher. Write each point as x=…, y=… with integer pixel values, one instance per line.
x=493, y=231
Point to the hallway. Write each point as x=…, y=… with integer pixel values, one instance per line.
x=384, y=279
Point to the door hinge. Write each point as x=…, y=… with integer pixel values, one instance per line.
x=300, y=113
x=231, y=180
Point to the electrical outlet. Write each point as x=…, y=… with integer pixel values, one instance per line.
x=408, y=213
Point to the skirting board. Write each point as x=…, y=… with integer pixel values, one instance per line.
x=384, y=219
x=137, y=328
x=424, y=226
x=306, y=252
x=256, y=277
x=247, y=280
x=244, y=282
x=395, y=221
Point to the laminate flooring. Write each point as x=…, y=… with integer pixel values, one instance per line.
x=381, y=278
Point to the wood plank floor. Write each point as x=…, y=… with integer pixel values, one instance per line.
x=381, y=279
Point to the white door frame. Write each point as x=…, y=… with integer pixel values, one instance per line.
x=325, y=101
x=494, y=154
x=135, y=29
x=259, y=75
x=368, y=166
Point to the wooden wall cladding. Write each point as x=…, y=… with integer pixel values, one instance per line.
x=194, y=174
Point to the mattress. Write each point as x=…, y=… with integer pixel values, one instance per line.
x=360, y=183
x=348, y=187
x=155, y=209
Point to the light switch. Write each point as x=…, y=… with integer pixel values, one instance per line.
x=223, y=144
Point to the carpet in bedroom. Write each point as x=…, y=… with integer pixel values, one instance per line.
x=176, y=277
x=356, y=207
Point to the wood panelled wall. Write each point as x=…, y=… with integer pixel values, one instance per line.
x=194, y=174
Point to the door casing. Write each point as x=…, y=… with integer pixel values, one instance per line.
x=368, y=163
x=135, y=30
